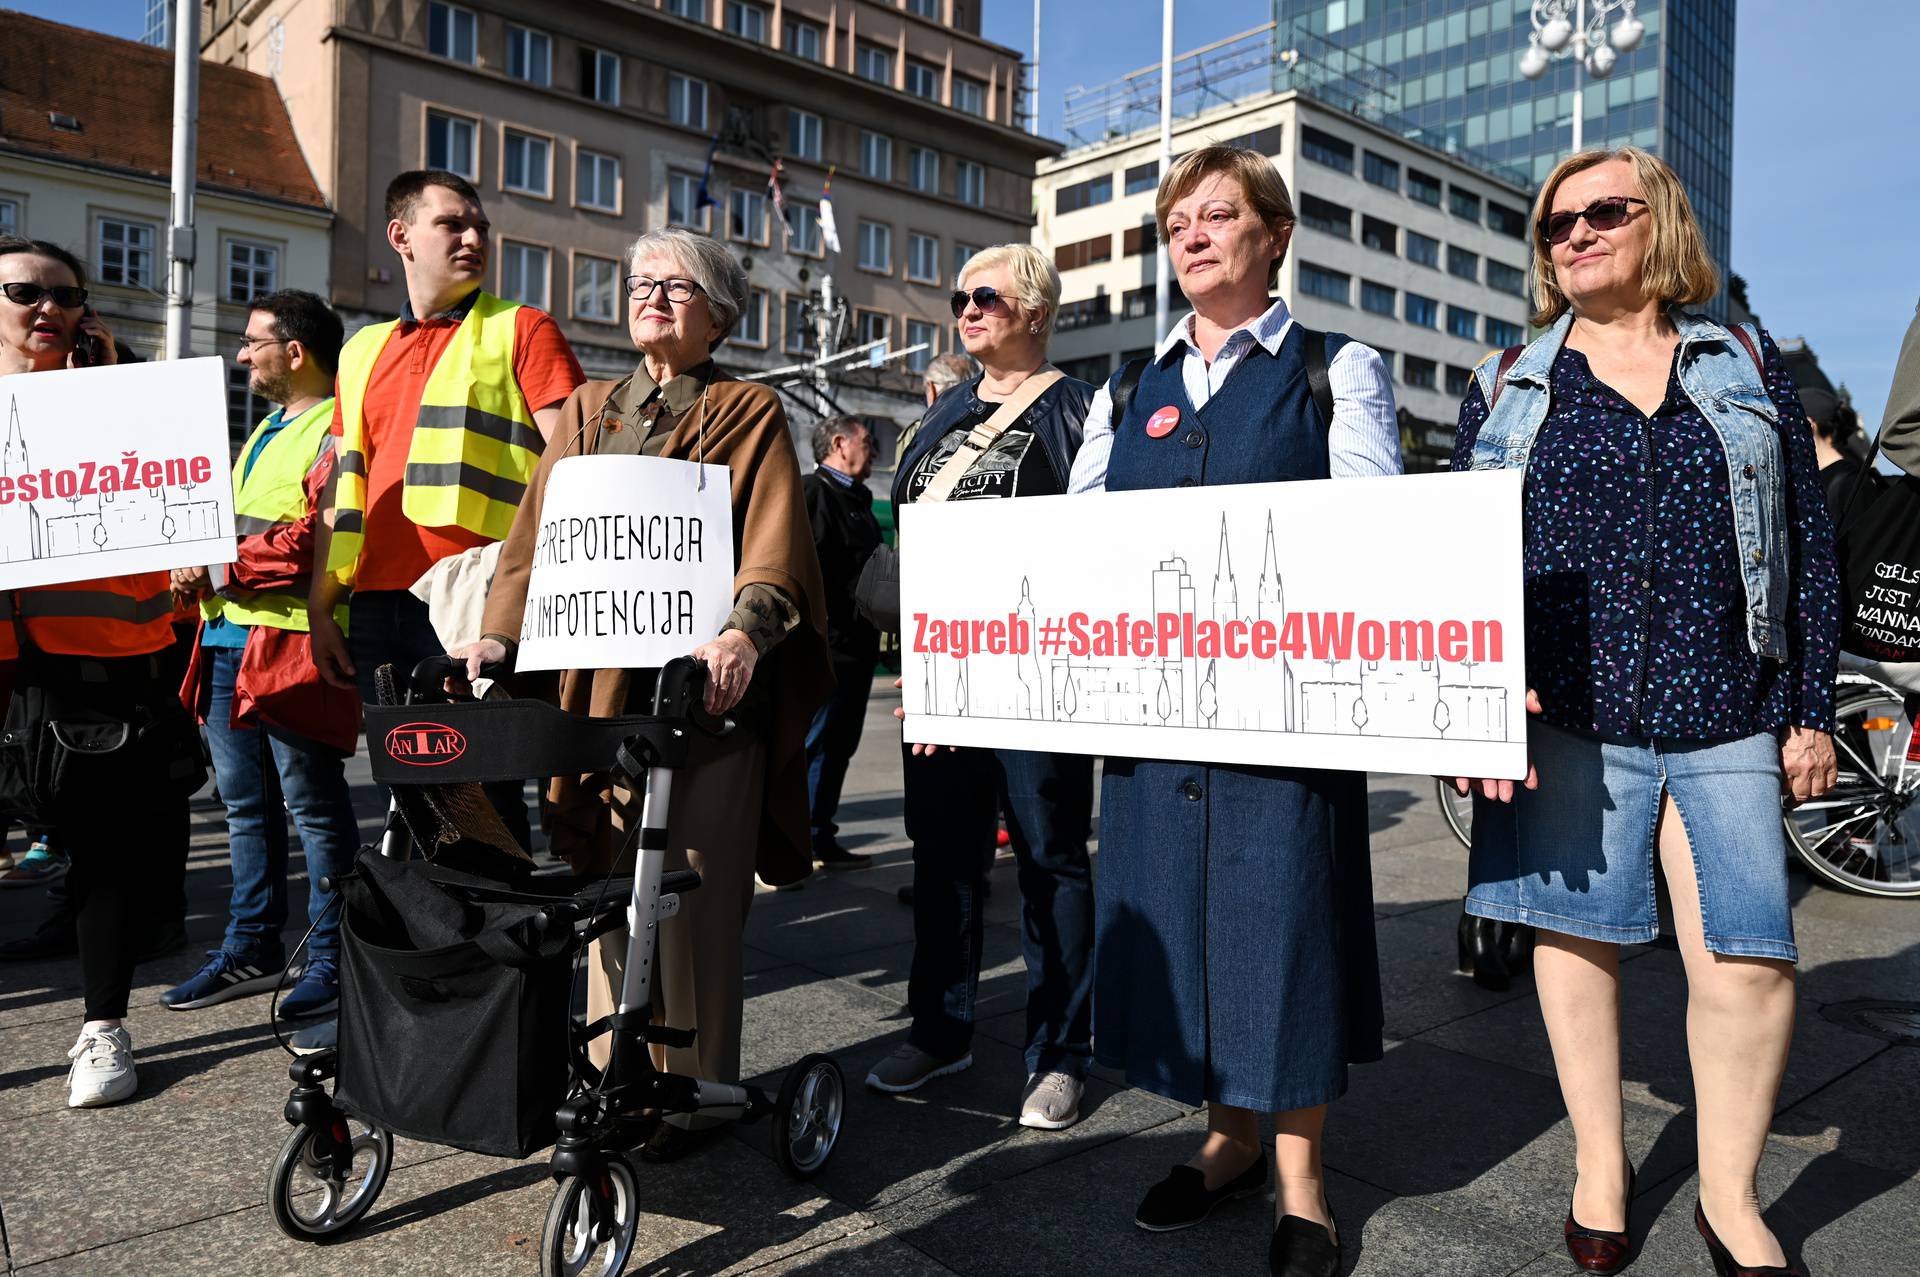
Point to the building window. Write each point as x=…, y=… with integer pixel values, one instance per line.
x=687, y=101
x=803, y=39
x=805, y=134
x=1423, y=187
x=253, y=270
x=1506, y=279
x=876, y=247
x=871, y=326
x=923, y=258
x=1327, y=285
x=596, y=180
x=803, y=221
x=922, y=333
x=1501, y=333
x=1088, y=312
x=1382, y=237
x=692, y=10
x=751, y=328
x=1463, y=264
x=970, y=182
x=600, y=76
x=1324, y=148
x=871, y=62
x=529, y=55
x=747, y=215
x=1423, y=249
x=523, y=273
x=1326, y=216
x=596, y=294
x=962, y=254
x=1138, y=303
x=1142, y=177
x=923, y=169
x=1508, y=221
x=1381, y=171
x=683, y=201
x=1462, y=322
x=747, y=20
x=244, y=408
x=453, y=32
x=124, y=253
x=9, y=217
x=1463, y=204
x=969, y=96
x=451, y=144
x=1091, y=368
x=799, y=332
x=1265, y=141
x=1095, y=190
x=1386, y=361
x=1139, y=240
x=1086, y=252
x=924, y=8
x=923, y=79
x=1424, y=311
x=1458, y=379
x=876, y=156
x=1419, y=372
x=1377, y=298
x=526, y=163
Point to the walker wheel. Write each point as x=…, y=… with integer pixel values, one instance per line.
x=592, y=1223
x=309, y=1200
x=807, y=1116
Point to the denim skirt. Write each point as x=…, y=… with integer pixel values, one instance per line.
x=1577, y=854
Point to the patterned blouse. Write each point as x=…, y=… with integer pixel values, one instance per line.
x=1636, y=610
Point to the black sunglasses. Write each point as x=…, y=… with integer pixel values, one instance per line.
x=984, y=299
x=1602, y=215
x=65, y=296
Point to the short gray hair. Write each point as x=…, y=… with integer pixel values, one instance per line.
x=947, y=371
x=707, y=263
x=830, y=429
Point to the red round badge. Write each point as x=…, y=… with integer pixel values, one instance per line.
x=1162, y=422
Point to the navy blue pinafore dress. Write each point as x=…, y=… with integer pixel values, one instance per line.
x=1236, y=959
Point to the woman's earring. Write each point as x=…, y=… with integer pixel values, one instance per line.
x=1033, y=329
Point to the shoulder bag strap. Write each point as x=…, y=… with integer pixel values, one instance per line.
x=1753, y=349
x=1318, y=383
x=1508, y=358
x=981, y=438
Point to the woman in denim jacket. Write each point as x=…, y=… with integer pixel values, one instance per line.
x=1681, y=628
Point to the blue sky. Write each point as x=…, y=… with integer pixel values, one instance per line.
x=1824, y=175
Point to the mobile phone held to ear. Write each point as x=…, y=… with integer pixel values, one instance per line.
x=88, y=351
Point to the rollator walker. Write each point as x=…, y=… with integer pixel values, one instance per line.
x=517, y=960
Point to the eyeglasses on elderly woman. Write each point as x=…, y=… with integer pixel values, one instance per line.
x=1603, y=214
x=984, y=298
x=640, y=287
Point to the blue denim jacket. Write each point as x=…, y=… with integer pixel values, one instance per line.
x=1722, y=381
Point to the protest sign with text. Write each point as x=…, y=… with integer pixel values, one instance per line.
x=1366, y=624
x=632, y=564
x=113, y=470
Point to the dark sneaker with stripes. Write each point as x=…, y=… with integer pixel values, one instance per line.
x=225, y=977
x=318, y=992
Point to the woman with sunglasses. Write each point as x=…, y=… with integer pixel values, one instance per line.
x=95, y=645
x=1681, y=626
x=977, y=443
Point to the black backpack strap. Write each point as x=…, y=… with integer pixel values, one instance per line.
x=1318, y=383
x=1124, y=388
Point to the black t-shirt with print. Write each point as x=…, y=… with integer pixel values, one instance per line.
x=1016, y=465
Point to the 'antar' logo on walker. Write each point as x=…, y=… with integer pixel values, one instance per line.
x=425, y=744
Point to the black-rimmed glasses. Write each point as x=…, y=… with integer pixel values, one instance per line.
x=65, y=296
x=640, y=288
x=984, y=299
x=1604, y=214
x=248, y=343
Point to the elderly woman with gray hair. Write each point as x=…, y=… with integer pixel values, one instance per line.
x=746, y=810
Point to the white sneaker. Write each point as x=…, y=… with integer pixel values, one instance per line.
x=1052, y=1101
x=102, y=1071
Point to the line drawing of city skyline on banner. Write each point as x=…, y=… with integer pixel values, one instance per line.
x=1408, y=699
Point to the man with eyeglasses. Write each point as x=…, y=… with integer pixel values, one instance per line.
x=441, y=417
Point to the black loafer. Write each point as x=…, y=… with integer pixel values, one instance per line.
x=1182, y=1199
x=1302, y=1248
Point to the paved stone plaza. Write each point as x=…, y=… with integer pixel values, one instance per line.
x=1451, y=1156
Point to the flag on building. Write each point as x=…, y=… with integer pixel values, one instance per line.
x=705, y=197
x=779, y=198
x=829, y=233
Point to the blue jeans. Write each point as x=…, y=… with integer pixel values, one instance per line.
x=831, y=742
x=258, y=771
x=952, y=799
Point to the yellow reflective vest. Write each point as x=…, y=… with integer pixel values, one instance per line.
x=474, y=445
x=270, y=496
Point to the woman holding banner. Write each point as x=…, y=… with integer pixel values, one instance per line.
x=746, y=810
x=1236, y=961
x=89, y=652
x=1681, y=627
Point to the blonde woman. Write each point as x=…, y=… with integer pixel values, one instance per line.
x=1005, y=301
x=1681, y=626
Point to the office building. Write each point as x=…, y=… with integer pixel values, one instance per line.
x=159, y=24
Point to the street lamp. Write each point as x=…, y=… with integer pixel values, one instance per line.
x=1577, y=28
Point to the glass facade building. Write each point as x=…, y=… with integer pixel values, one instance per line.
x=1451, y=67
x=159, y=30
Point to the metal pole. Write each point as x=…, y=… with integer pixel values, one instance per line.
x=1579, y=70
x=1036, y=67
x=186, y=124
x=1160, y=282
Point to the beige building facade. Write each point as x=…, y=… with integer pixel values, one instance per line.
x=584, y=124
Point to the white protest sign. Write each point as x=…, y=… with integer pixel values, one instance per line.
x=114, y=470
x=632, y=565
x=1364, y=624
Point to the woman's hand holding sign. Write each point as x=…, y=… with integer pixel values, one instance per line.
x=1500, y=790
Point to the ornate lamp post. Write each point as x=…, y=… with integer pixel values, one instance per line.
x=1578, y=28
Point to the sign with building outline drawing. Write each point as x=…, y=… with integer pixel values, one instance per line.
x=1365, y=624
x=115, y=470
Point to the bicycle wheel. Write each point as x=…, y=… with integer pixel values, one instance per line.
x=1864, y=834
x=1458, y=809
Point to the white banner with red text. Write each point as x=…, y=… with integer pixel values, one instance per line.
x=114, y=470
x=1363, y=624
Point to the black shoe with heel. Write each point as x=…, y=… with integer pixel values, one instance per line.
x=1598, y=1251
x=1725, y=1265
x=1183, y=1199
